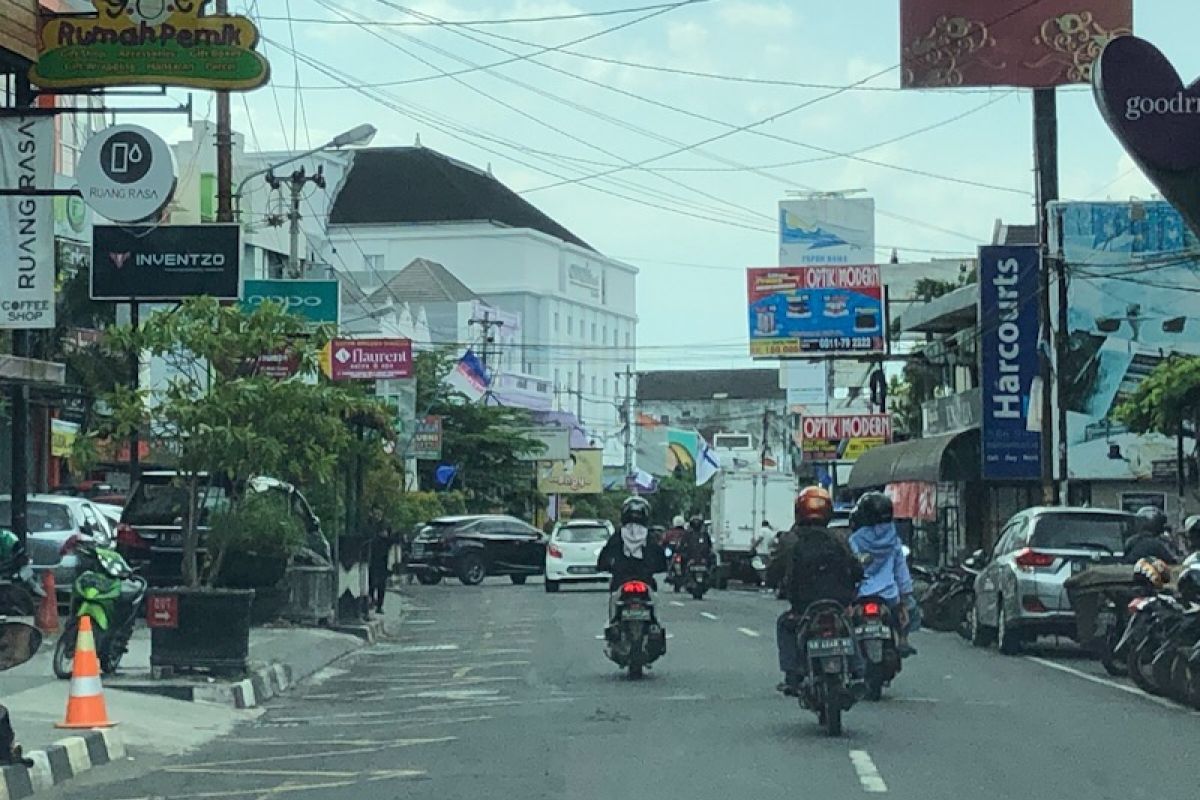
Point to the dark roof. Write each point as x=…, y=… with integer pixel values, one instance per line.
x=409, y=185
x=423, y=281
x=1014, y=234
x=702, y=384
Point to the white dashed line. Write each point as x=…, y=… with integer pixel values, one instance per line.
x=424, y=648
x=868, y=774
x=677, y=603
x=1162, y=701
x=708, y=615
x=753, y=634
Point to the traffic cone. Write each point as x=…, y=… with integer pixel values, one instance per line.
x=46, y=617
x=85, y=706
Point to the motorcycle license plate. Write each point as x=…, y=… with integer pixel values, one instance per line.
x=872, y=631
x=581, y=570
x=636, y=614
x=831, y=647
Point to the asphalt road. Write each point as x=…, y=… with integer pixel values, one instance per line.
x=502, y=691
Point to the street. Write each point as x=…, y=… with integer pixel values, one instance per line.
x=503, y=691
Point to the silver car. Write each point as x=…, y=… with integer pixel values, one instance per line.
x=55, y=523
x=1019, y=594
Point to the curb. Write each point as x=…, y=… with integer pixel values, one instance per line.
x=60, y=762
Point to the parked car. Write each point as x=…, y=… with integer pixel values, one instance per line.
x=473, y=547
x=56, y=524
x=150, y=534
x=1020, y=592
x=572, y=551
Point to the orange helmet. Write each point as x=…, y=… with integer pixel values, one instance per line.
x=814, y=504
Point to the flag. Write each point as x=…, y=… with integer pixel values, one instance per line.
x=470, y=377
x=708, y=463
x=644, y=482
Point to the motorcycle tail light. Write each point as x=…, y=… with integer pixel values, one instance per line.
x=871, y=609
x=635, y=587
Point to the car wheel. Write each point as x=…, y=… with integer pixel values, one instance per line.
x=981, y=635
x=1007, y=640
x=429, y=578
x=518, y=580
x=471, y=570
x=551, y=586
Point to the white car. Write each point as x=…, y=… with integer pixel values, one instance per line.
x=55, y=524
x=572, y=551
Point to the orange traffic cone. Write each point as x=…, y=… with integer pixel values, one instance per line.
x=85, y=706
x=46, y=617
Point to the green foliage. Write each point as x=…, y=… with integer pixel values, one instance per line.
x=599, y=506
x=259, y=525
x=1168, y=396
x=927, y=289
x=679, y=495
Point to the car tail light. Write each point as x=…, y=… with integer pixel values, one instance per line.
x=1030, y=558
x=553, y=551
x=871, y=609
x=127, y=536
x=1033, y=604
x=69, y=545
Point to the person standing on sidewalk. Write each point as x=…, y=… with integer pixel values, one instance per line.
x=381, y=550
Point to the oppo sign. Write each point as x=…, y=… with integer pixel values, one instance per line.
x=316, y=301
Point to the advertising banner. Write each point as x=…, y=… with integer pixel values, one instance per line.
x=842, y=437
x=797, y=311
x=165, y=262
x=1132, y=502
x=367, y=359
x=126, y=173
x=554, y=443
x=826, y=230
x=26, y=224
x=427, y=440
x=62, y=437
x=952, y=43
x=581, y=473
x=1008, y=356
x=318, y=301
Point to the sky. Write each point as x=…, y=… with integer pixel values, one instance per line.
x=564, y=130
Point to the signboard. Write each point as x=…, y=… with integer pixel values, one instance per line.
x=162, y=611
x=796, y=311
x=126, y=173
x=581, y=473
x=318, y=301
x=842, y=437
x=826, y=230
x=62, y=437
x=165, y=262
x=956, y=412
x=427, y=440
x=555, y=443
x=26, y=224
x=138, y=42
x=367, y=359
x=278, y=365
x=1008, y=356
x=806, y=383
x=1132, y=501
x=1006, y=42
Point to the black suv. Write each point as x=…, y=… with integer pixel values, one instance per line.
x=150, y=535
x=473, y=547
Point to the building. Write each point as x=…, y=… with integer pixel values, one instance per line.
x=577, y=307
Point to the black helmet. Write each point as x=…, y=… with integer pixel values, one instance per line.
x=635, y=510
x=1191, y=529
x=696, y=523
x=1187, y=585
x=1151, y=520
x=873, y=508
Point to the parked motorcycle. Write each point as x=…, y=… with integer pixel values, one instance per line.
x=19, y=587
x=876, y=638
x=827, y=635
x=1152, y=620
x=697, y=581
x=634, y=638
x=108, y=591
x=947, y=601
x=1171, y=662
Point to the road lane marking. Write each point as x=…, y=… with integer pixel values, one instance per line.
x=677, y=603
x=422, y=648
x=708, y=615
x=291, y=787
x=376, y=747
x=868, y=773
x=753, y=634
x=1162, y=701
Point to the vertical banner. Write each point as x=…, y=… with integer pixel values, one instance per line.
x=1008, y=354
x=26, y=224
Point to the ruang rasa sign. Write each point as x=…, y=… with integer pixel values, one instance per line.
x=1008, y=355
x=26, y=224
x=951, y=43
x=842, y=437
x=138, y=42
x=797, y=311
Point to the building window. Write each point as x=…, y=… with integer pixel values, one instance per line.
x=556, y=378
x=542, y=388
x=373, y=263
x=614, y=337
x=604, y=383
x=556, y=322
x=570, y=379
x=570, y=325
x=594, y=339
x=628, y=339
x=603, y=334
x=522, y=384
x=593, y=384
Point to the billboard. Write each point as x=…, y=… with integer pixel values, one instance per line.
x=952, y=43
x=807, y=311
x=1008, y=358
x=165, y=262
x=317, y=301
x=842, y=437
x=1132, y=302
x=367, y=359
x=581, y=473
x=427, y=439
x=826, y=230
x=26, y=224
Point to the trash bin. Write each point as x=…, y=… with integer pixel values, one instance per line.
x=1087, y=592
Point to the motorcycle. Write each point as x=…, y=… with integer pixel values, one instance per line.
x=1151, y=620
x=107, y=591
x=675, y=575
x=947, y=600
x=697, y=579
x=876, y=638
x=19, y=587
x=634, y=638
x=829, y=650
x=18, y=643
x=1182, y=680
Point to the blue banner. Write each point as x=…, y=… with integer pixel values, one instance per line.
x=1008, y=355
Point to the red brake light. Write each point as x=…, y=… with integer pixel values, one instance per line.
x=635, y=587
x=1033, y=604
x=69, y=545
x=1030, y=558
x=127, y=536
x=553, y=551
x=871, y=609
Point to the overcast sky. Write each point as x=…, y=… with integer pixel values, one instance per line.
x=692, y=220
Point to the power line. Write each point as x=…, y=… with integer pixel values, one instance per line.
x=502, y=20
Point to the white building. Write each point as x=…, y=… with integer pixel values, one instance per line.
x=577, y=307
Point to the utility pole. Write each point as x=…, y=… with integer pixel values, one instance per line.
x=579, y=391
x=627, y=414
x=224, y=146
x=766, y=428
x=1045, y=146
x=296, y=183
x=487, y=323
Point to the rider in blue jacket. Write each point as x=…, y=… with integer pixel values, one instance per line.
x=885, y=567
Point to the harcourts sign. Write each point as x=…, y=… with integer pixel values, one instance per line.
x=316, y=301
x=1008, y=348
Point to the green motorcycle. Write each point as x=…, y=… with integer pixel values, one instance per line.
x=110, y=594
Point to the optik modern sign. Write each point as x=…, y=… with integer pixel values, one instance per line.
x=315, y=300
x=167, y=262
x=1008, y=353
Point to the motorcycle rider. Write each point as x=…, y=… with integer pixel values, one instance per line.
x=822, y=568
x=15, y=565
x=1147, y=541
x=876, y=541
x=1191, y=535
x=631, y=553
x=674, y=535
x=696, y=544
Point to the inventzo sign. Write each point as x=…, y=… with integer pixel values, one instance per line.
x=317, y=301
x=167, y=262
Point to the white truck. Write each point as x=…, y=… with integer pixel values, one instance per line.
x=741, y=502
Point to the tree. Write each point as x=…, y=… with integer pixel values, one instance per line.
x=1168, y=398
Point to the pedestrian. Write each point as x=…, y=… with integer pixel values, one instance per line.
x=381, y=550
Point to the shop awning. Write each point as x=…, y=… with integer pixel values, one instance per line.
x=949, y=457
x=14, y=369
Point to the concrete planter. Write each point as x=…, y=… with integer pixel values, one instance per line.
x=212, y=632
x=310, y=595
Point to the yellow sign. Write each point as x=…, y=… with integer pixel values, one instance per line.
x=325, y=360
x=157, y=42
x=62, y=437
x=582, y=474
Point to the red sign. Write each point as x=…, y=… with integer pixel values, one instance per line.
x=1006, y=42
x=162, y=611
x=278, y=365
x=370, y=359
x=914, y=500
x=842, y=437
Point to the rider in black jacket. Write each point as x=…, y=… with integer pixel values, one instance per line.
x=633, y=553
x=1148, y=541
x=823, y=568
